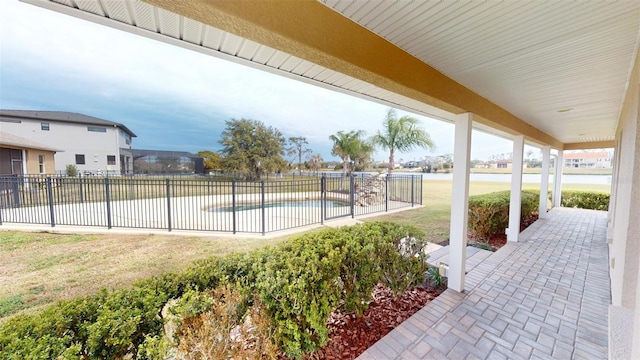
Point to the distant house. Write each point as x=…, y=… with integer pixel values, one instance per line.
x=504, y=164
x=166, y=162
x=93, y=145
x=20, y=156
x=593, y=160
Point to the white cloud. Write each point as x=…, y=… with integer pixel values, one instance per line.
x=118, y=65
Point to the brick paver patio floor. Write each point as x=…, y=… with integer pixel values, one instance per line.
x=544, y=297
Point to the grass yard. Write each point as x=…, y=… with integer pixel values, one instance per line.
x=37, y=269
x=40, y=268
x=434, y=217
x=565, y=171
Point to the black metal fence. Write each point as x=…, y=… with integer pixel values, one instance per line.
x=201, y=203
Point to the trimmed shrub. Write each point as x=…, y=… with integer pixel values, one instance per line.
x=72, y=170
x=489, y=213
x=310, y=276
x=293, y=287
x=59, y=331
x=124, y=320
x=584, y=199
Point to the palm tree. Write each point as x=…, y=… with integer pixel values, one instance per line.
x=361, y=155
x=402, y=134
x=347, y=145
x=351, y=148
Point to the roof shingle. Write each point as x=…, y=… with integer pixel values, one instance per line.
x=63, y=116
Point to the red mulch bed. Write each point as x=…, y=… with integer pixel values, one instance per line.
x=350, y=336
x=499, y=240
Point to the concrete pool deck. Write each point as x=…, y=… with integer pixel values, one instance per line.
x=189, y=217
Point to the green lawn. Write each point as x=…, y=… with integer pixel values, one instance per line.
x=41, y=268
x=566, y=171
x=434, y=217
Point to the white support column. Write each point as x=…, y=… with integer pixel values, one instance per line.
x=544, y=182
x=516, y=189
x=24, y=162
x=557, y=180
x=460, y=202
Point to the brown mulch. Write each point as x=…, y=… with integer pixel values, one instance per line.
x=499, y=240
x=350, y=336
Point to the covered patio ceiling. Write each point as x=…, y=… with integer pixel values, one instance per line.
x=556, y=72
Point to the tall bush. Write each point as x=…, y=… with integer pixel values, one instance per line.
x=584, y=199
x=72, y=170
x=489, y=213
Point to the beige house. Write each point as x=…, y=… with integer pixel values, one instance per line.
x=561, y=75
x=591, y=160
x=504, y=164
x=20, y=156
x=98, y=146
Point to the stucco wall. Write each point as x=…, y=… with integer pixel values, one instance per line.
x=33, y=167
x=73, y=139
x=624, y=249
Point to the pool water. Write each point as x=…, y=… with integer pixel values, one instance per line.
x=283, y=204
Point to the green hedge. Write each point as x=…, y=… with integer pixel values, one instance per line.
x=299, y=283
x=489, y=213
x=584, y=199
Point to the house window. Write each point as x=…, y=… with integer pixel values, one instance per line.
x=111, y=159
x=44, y=126
x=41, y=163
x=10, y=161
x=97, y=129
x=127, y=139
x=80, y=159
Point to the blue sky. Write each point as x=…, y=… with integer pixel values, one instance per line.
x=172, y=98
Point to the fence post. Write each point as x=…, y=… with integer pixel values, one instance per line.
x=262, y=203
x=233, y=204
x=352, y=195
x=421, y=185
x=132, y=194
x=386, y=193
x=50, y=194
x=108, y=198
x=412, y=190
x=323, y=199
x=16, y=191
x=168, y=183
x=80, y=189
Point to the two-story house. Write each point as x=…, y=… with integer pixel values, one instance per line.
x=597, y=160
x=93, y=145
